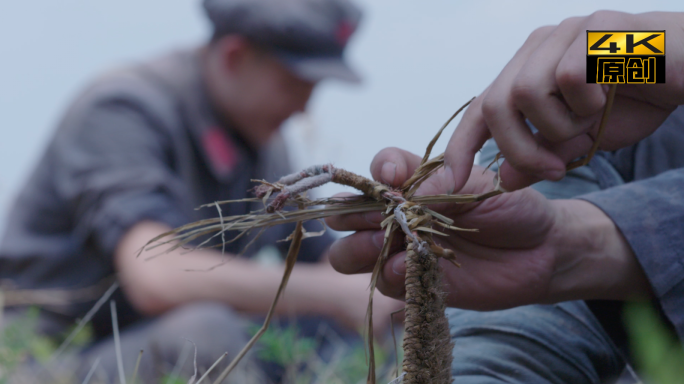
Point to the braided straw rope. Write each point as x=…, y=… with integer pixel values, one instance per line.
x=427, y=342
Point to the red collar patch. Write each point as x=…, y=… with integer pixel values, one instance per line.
x=222, y=152
x=343, y=32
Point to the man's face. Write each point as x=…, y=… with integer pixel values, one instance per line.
x=268, y=94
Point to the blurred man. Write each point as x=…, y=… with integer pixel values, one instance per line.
x=143, y=146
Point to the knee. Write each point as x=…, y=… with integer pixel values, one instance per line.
x=537, y=343
x=206, y=313
x=213, y=327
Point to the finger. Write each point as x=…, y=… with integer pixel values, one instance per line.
x=391, y=279
x=358, y=252
x=508, y=126
x=624, y=127
x=479, y=180
x=571, y=76
x=630, y=120
x=438, y=183
x=536, y=94
x=393, y=166
x=469, y=136
x=354, y=221
x=512, y=179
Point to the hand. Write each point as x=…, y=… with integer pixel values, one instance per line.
x=545, y=82
x=528, y=249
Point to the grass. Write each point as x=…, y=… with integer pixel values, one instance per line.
x=284, y=346
x=22, y=346
x=658, y=354
x=19, y=342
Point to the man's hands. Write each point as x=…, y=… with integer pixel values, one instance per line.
x=545, y=82
x=528, y=250
x=522, y=269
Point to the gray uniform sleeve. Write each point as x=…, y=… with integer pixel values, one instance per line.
x=112, y=169
x=650, y=214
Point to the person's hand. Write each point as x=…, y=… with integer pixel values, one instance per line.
x=528, y=249
x=545, y=82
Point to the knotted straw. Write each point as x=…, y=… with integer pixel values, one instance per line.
x=427, y=343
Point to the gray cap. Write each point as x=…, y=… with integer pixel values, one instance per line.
x=308, y=36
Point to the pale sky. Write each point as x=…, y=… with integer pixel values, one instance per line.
x=420, y=62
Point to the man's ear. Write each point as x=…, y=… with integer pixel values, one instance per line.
x=233, y=51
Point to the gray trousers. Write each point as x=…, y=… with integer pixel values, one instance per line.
x=560, y=343
x=193, y=334
x=198, y=334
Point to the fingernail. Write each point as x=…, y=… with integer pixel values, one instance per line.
x=388, y=172
x=449, y=181
x=553, y=174
x=378, y=239
x=399, y=266
x=333, y=247
x=374, y=218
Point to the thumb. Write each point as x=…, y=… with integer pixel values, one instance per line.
x=393, y=166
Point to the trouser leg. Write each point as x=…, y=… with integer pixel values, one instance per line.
x=560, y=343
x=169, y=343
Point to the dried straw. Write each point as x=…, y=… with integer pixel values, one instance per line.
x=427, y=343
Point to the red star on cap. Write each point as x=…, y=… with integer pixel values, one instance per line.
x=343, y=32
